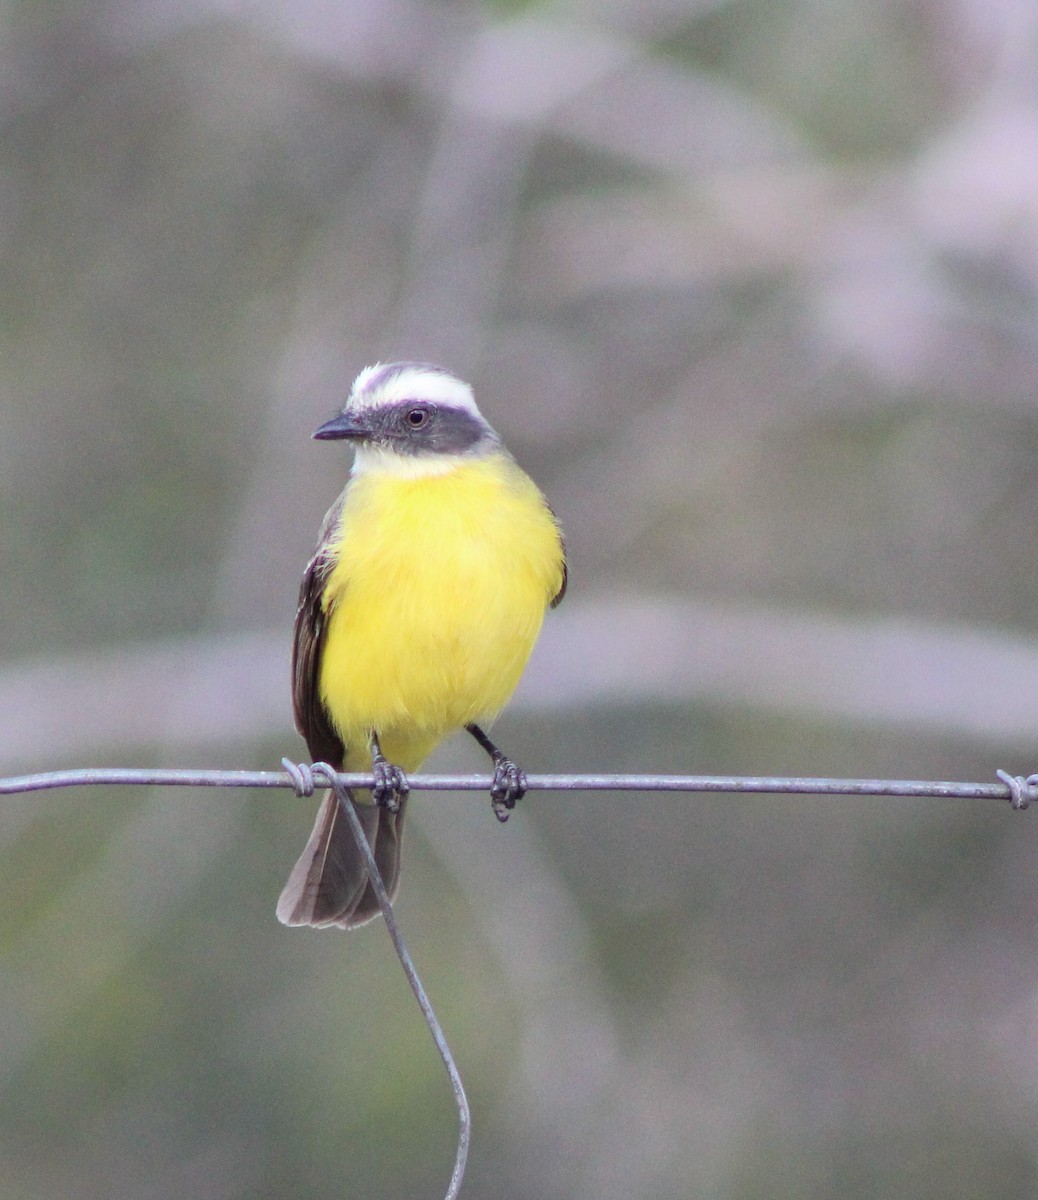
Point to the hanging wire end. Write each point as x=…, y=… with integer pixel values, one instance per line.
x=304, y=776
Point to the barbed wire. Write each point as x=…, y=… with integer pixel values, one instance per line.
x=1018, y=790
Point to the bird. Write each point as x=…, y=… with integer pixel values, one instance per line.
x=417, y=614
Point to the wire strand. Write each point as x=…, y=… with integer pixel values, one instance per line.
x=323, y=770
x=1020, y=791
x=1017, y=789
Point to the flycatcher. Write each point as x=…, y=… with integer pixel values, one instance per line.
x=417, y=614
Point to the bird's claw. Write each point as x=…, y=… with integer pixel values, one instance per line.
x=391, y=785
x=507, y=786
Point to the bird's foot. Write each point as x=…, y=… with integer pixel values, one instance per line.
x=391, y=786
x=507, y=786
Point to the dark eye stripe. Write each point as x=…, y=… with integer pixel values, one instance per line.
x=422, y=426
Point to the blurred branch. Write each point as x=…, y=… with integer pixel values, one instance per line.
x=947, y=679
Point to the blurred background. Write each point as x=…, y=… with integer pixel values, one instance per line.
x=751, y=288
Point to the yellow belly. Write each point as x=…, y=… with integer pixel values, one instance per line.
x=435, y=603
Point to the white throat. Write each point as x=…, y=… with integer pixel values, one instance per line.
x=374, y=460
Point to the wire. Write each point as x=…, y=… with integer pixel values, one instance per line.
x=1019, y=790
x=303, y=779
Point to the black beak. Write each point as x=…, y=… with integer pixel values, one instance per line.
x=344, y=425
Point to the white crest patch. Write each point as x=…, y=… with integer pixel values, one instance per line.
x=386, y=383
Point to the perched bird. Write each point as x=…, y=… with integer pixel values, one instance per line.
x=417, y=614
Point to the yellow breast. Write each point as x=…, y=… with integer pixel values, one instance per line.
x=440, y=586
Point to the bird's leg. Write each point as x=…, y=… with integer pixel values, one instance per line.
x=390, y=782
x=509, y=783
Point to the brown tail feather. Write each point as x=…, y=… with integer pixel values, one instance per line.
x=329, y=884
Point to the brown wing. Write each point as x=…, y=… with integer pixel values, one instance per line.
x=565, y=564
x=312, y=719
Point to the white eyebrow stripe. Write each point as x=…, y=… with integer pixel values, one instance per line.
x=410, y=383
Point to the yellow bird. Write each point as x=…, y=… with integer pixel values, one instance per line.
x=417, y=614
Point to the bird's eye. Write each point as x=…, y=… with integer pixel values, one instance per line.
x=416, y=417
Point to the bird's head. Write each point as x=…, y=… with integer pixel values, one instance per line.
x=413, y=418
